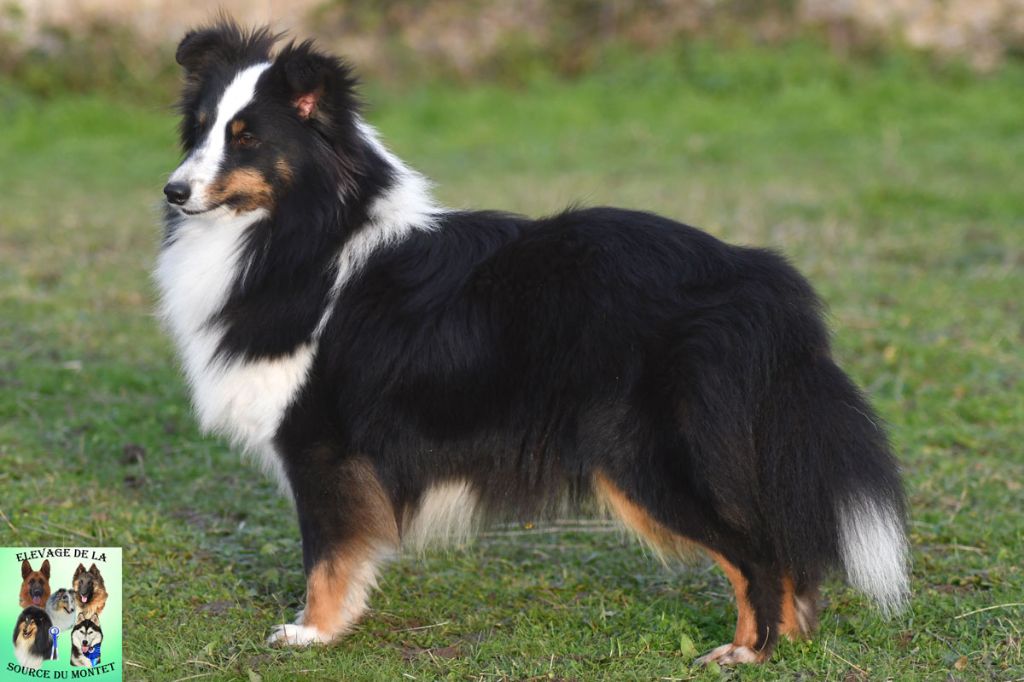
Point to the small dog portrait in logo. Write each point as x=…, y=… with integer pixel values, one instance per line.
x=32, y=642
x=92, y=595
x=62, y=609
x=35, y=585
x=86, y=638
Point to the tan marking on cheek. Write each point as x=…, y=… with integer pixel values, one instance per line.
x=284, y=170
x=245, y=188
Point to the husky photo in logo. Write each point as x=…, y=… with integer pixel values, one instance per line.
x=86, y=638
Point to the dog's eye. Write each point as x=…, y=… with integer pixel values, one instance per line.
x=245, y=140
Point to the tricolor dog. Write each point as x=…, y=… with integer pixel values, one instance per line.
x=408, y=372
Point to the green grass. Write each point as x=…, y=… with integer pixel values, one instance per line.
x=896, y=187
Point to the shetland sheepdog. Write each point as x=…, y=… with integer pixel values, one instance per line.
x=61, y=609
x=407, y=372
x=86, y=639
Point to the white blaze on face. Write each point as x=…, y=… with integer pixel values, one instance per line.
x=201, y=166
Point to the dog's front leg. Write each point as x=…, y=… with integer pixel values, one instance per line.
x=348, y=529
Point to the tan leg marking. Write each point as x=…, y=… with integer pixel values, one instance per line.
x=746, y=619
x=741, y=650
x=339, y=585
x=669, y=544
x=789, y=625
x=799, y=612
x=663, y=541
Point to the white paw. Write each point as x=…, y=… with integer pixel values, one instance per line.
x=295, y=634
x=729, y=654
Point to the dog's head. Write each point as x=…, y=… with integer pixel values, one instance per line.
x=32, y=621
x=87, y=583
x=35, y=585
x=86, y=635
x=255, y=126
x=62, y=600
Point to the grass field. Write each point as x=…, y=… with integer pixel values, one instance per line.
x=896, y=187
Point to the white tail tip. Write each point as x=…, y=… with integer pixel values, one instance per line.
x=874, y=552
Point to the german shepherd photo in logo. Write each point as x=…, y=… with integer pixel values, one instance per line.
x=86, y=638
x=35, y=585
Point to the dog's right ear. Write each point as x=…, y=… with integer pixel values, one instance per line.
x=196, y=47
x=26, y=568
x=225, y=41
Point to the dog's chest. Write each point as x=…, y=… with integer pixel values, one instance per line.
x=242, y=399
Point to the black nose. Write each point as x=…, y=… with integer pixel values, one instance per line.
x=177, y=192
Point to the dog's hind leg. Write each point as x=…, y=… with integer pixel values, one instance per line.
x=799, y=609
x=760, y=614
x=759, y=590
x=348, y=529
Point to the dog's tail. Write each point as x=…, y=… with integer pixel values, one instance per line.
x=874, y=552
x=834, y=483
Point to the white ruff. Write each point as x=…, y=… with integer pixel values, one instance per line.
x=243, y=400
x=24, y=657
x=246, y=400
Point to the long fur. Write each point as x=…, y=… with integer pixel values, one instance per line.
x=409, y=372
x=90, y=591
x=32, y=642
x=62, y=609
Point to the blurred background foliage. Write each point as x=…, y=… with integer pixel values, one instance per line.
x=124, y=48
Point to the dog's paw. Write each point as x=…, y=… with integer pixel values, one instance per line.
x=294, y=634
x=729, y=654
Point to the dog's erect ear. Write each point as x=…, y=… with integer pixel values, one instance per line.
x=315, y=83
x=225, y=41
x=95, y=571
x=78, y=571
x=197, y=47
x=26, y=568
x=45, y=569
